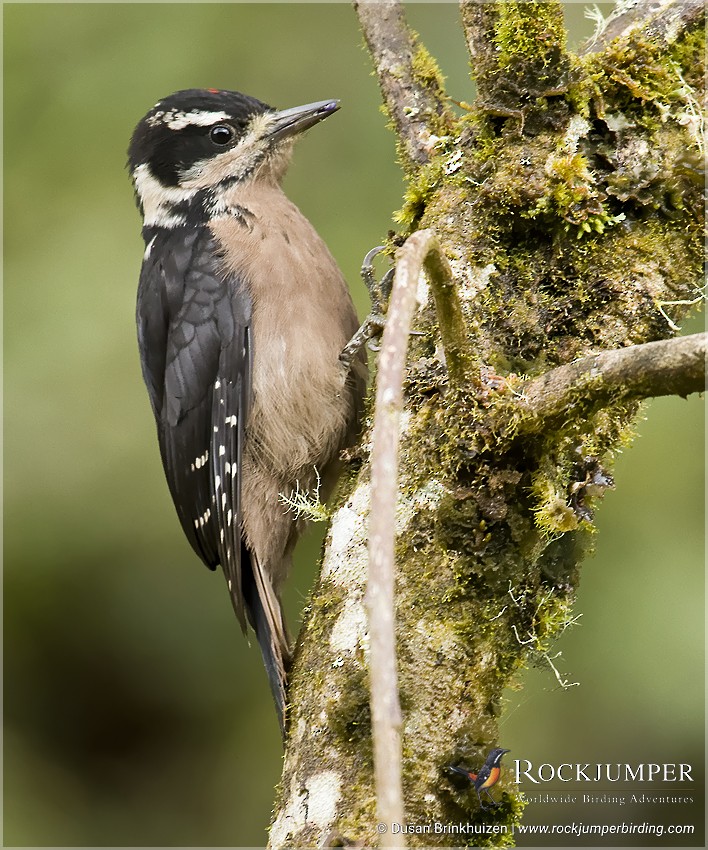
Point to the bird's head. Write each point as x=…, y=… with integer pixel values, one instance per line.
x=495, y=756
x=199, y=142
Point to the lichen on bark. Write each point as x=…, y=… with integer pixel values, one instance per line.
x=569, y=203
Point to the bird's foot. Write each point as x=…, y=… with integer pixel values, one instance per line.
x=379, y=292
x=372, y=327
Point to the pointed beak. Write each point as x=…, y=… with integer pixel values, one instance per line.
x=291, y=122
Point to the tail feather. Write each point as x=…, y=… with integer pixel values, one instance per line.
x=266, y=617
x=466, y=773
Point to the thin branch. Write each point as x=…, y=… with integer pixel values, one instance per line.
x=414, y=101
x=421, y=249
x=453, y=331
x=665, y=19
x=668, y=367
x=385, y=708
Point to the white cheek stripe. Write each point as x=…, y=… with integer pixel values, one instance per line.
x=150, y=189
x=156, y=199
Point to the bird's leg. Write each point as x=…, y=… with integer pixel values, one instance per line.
x=494, y=802
x=374, y=322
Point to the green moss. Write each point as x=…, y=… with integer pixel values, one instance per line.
x=553, y=514
x=689, y=53
x=638, y=76
x=529, y=32
x=419, y=190
x=573, y=196
x=426, y=70
x=580, y=88
x=553, y=615
x=350, y=716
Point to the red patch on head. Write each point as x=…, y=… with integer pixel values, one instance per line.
x=213, y=91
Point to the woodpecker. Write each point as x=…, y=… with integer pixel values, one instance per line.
x=487, y=777
x=242, y=314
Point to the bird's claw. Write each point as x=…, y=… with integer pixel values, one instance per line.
x=372, y=327
x=379, y=292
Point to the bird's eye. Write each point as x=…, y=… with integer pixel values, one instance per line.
x=222, y=134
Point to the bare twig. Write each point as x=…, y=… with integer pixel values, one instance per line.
x=668, y=367
x=421, y=250
x=413, y=101
x=385, y=707
x=667, y=19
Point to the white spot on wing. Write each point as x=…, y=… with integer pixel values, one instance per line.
x=200, y=461
x=203, y=519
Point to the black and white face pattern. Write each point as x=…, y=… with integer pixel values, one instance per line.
x=192, y=143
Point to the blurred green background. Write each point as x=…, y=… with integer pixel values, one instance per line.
x=135, y=713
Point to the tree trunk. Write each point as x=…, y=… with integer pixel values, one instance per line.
x=568, y=202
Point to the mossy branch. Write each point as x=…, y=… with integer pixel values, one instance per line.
x=667, y=367
x=421, y=250
x=411, y=86
x=517, y=52
x=662, y=19
x=479, y=21
x=451, y=321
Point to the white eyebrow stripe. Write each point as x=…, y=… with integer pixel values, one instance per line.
x=179, y=120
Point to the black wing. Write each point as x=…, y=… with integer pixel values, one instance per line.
x=194, y=333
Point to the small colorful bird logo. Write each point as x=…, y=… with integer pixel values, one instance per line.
x=487, y=777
